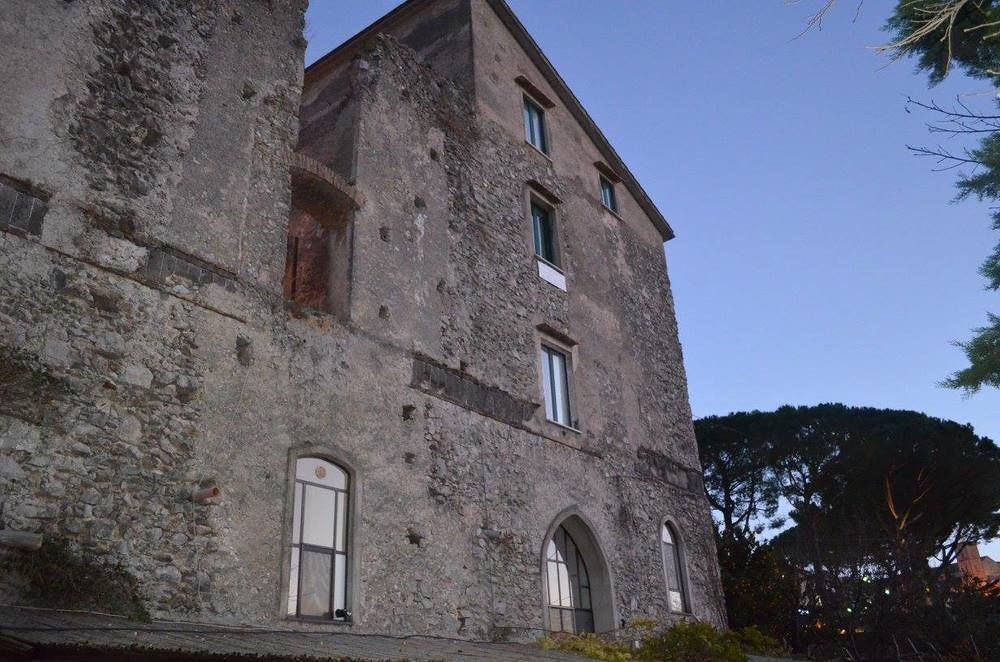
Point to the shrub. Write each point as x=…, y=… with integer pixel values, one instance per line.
x=62, y=576
x=682, y=642
x=687, y=642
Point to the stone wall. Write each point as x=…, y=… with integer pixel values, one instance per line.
x=145, y=195
x=146, y=351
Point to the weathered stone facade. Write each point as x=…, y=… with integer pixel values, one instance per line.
x=147, y=184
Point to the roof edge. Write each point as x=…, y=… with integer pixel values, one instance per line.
x=538, y=58
x=356, y=42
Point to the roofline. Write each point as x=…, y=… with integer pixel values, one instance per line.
x=538, y=58
x=594, y=132
x=356, y=42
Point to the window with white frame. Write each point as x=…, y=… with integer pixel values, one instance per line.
x=544, y=232
x=555, y=385
x=317, y=585
x=673, y=569
x=608, y=197
x=534, y=126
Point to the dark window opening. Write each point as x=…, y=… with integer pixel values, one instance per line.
x=534, y=126
x=318, y=250
x=608, y=198
x=307, y=262
x=544, y=232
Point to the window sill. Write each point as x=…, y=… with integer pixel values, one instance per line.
x=319, y=621
x=613, y=212
x=549, y=421
x=551, y=274
x=547, y=157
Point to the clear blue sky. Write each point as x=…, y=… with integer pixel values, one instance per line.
x=816, y=260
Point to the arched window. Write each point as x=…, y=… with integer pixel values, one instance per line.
x=570, y=607
x=673, y=569
x=317, y=585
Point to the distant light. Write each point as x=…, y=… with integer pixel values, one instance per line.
x=887, y=591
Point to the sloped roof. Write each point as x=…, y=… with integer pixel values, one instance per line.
x=538, y=58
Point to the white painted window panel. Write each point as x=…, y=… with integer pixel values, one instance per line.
x=551, y=275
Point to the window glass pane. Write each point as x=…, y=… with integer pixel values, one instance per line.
x=555, y=620
x=293, y=583
x=297, y=513
x=527, y=122
x=608, y=194
x=676, y=601
x=318, y=519
x=670, y=567
x=315, y=597
x=315, y=470
x=536, y=230
x=553, y=582
x=560, y=391
x=541, y=223
x=550, y=550
x=585, y=598
x=667, y=536
x=341, y=522
x=548, y=238
x=565, y=597
x=547, y=384
x=340, y=582
x=584, y=621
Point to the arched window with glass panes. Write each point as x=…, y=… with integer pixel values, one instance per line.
x=570, y=607
x=673, y=568
x=318, y=579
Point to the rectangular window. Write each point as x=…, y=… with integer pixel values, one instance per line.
x=555, y=384
x=608, y=194
x=534, y=126
x=543, y=229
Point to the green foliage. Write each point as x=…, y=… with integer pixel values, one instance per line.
x=983, y=352
x=692, y=641
x=943, y=34
x=938, y=46
x=590, y=646
x=681, y=642
x=755, y=642
x=760, y=588
x=57, y=574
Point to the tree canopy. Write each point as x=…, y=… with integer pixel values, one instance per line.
x=872, y=496
x=943, y=35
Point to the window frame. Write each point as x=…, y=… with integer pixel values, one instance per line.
x=529, y=103
x=608, y=186
x=351, y=515
x=537, y=243
x=680, y=566
x=568, y=352
x=580, y=580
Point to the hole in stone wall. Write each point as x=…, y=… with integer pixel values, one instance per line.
x=318, y=254
x=414, y=537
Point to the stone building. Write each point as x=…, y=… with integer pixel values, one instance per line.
x=387, y=344
x=975, y=566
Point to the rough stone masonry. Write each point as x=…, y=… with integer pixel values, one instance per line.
x=162, y=164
